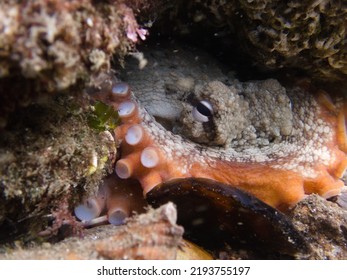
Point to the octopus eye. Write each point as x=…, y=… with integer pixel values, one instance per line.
x=202, y=111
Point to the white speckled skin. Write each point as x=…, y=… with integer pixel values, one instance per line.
x=253, y=122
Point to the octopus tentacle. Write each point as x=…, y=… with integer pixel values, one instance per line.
x=342, y=130
x=115, y=201
x=169, y=156
x=278, y=144
x=90, y=209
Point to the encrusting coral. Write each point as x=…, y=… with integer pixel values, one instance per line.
x=49, y=158
x=52, y=44
x=307, y=35
x=59, y=42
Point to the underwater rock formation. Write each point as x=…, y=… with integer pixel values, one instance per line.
x=323, y=225
x=49, y=158
x=59, y=42
x=150, y=236
x=307, y=35
x=50, y=45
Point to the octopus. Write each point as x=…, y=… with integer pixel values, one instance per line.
x=184, y=115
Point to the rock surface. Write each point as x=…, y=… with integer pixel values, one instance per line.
x=50, y=158
x=153, y=235
x=309, y=35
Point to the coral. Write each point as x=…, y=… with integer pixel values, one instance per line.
x=308, y=35
x=49, y=155
x=59, y=42
x=54, y=44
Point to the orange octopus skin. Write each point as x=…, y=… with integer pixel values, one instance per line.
x=277, y=187
x=306, y=153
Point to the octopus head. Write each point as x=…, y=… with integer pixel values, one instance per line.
x=228, y=116
x=213, y=114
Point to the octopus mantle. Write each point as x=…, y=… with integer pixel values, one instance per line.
x=183, y=117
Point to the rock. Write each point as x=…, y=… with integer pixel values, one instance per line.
x=49, y=158
x=324, y=226
x=153, y=235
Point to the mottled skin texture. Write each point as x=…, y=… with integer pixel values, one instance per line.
x=275, y=142
x=248, y=114
x=237, y=121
